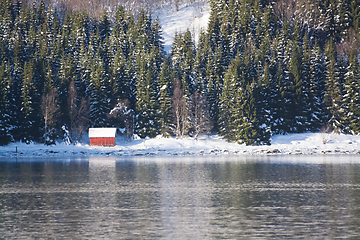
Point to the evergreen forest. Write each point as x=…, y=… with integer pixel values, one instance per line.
x=260, y=68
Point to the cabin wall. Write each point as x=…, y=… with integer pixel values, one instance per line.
x=102, y=141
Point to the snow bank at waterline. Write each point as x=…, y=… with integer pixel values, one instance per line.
x=294, y=144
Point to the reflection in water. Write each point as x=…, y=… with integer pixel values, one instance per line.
x=179, y=198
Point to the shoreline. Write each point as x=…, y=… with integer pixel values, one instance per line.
x=292, y=144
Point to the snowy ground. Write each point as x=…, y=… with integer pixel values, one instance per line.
x=294, y=144
x=193, y=16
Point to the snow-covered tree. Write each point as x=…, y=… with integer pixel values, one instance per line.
x=5, y=136
x=164, y=97
x=28, y=114
x=352, y=97
x=124, y=115
x=147, y=122
x=99, y=104
x=332, y=96
x=50, y=113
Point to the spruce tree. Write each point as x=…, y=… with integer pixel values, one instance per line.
x=119, y=80
x=306, y=82
x=99, y=107
x=28, y=114
x=226, y=100
x=199, y=69
x=248, y=129
x=213, y=28
x=164, y=97
x=66, y=75
x=332, y=89
x=279, y=115
x=187, y=64
x=263, y=105
x=5, y=136
x=317, y=88
x=156, y=44
x=297, y=104
x=287, y=84
x=120, y=31
x=147, y=121
x=15, y=100
x=213, y=89
x=352, y=99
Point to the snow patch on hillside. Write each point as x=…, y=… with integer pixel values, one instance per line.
x=193, y=16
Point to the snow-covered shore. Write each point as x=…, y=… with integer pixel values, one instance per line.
x=292, y=144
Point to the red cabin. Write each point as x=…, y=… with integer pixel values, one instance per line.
x=102, y=137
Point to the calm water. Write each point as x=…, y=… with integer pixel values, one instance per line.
x=187, y=198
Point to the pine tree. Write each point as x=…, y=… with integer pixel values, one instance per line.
x=99, y=108
x=28, y=115
x=177, y=55
x=66, y=75
x=286, y=85
x=119, y=80
x=143, y=29
x=317, y=87
x=279, y=125
x=164, y=97
x=156, y=44
x=147, y=122
x=247, y=130
x=306, y=82
x=297, y=104
x=227, y=100
x=332, y=89
x=120, y=31
x=252, y=130
x=183, y=54
x=237, y=35
x=132, y=79
x=355, y=16
x=352, y=99
x=5, y=136
x=15, y=99
x=225, y=38
x=263, y=105
x=213, y=29
x=213, y=90
x=104, y=27
x=199, y=69
x=343, y=18
x=187, y=64
x=80, y=56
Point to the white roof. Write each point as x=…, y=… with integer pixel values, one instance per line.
x=102, y=132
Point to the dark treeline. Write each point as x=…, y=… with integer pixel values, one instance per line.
x=259, y=69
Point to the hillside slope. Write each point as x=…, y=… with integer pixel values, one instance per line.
x=192, y=16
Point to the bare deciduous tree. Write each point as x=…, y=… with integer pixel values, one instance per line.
x=79, y=113
x=285, y=9
x=124, y=113
x=200, y=115
x=179, y=109
x=50, y=111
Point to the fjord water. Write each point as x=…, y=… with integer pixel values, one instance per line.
x=188, y=198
